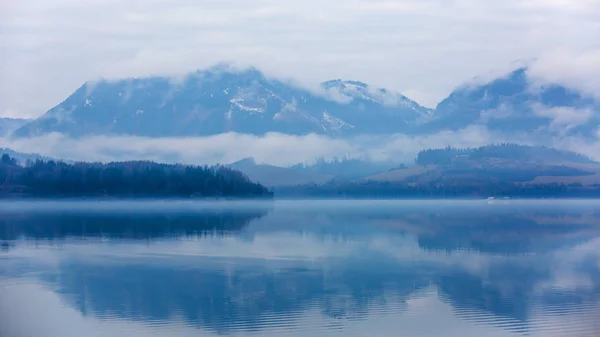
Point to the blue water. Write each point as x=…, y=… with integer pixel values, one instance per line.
x=300, y=268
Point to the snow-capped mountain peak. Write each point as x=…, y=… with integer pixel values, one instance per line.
x=225, y=99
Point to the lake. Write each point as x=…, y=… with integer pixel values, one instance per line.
x=300, y=268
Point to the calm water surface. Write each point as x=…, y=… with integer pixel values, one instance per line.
x=301, y=268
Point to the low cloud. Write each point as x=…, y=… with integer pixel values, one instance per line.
x=283, y=150
x=334, y=94
x=575, y=70
x=272, y=148
x=563, y=118
x=504, y=111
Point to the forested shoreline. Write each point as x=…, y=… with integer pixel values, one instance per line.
x=500, y=170
x=391, y=190
x=133, y=179
x=505, y=170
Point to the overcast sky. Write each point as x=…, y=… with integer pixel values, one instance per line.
x=422, y=48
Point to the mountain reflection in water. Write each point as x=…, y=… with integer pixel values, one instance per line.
x=303, y=268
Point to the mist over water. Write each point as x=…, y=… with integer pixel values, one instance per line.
x=273, y=148
x=300, y=268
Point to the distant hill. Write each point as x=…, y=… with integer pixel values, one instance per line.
x=501, y=151
x=505, y=170
x=401, y=174
x=345, y=168
x=222, y=99
x=274, y=176
x=500, y=163
x=8, y=125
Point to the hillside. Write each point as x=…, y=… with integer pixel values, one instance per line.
x=275, y=176
x=508, y=163
x=539, y=154
x=345, y=168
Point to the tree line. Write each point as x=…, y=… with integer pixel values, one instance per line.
x=434, y=190
x=446, y=155
x=123, y=179
x=345, y=167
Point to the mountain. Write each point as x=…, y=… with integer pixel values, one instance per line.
x=221, y=100
x=275, y=176
x=516, y=103
x=8, y=125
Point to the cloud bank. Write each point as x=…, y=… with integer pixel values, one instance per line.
x=273, y=148
x=422, y=48
x=277, y=149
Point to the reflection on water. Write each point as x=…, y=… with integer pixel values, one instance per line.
x=300, y=269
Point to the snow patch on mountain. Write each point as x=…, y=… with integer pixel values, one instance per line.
x=314, y=121
x=239, y=103
x=289, y=108
x=335, y=123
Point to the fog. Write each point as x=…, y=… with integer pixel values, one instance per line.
x=284, y=150
x=272, y=148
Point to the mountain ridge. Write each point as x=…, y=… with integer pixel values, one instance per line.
x=212, y=102
x=276, y=176
x=222, y=99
